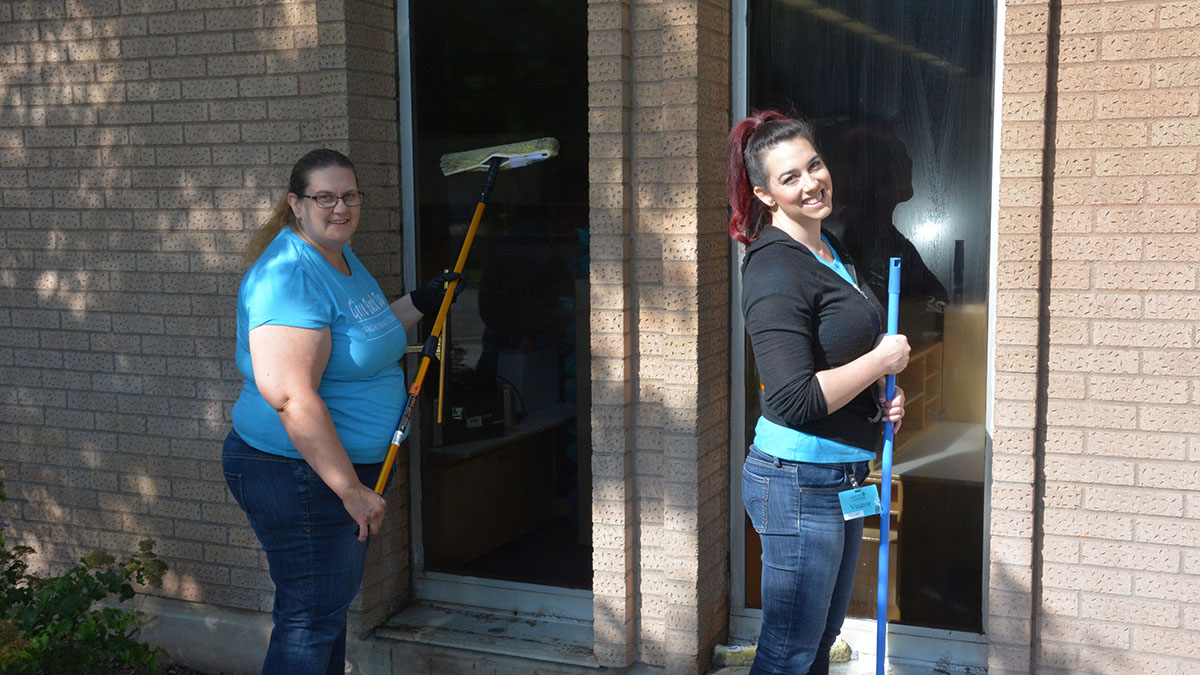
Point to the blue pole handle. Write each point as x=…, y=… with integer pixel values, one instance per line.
x=885, y=497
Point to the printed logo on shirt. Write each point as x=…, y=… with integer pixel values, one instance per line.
x=374, y=315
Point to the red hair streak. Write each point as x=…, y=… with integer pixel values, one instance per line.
x=744, y=225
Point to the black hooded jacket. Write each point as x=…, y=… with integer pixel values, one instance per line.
x=803, y=318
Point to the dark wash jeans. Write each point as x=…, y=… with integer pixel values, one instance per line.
x=809, y=557
x=315, y=558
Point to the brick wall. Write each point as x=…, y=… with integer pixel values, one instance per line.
x=660, y=276
x=141, y=141
x=1113, y=584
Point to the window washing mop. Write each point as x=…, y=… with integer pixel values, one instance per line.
x=885, y=499
x=491, y=159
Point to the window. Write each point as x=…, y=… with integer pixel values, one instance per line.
x=504, y=474
x=901, y=95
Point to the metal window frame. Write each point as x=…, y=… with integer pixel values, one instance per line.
x=437, y=587
x=907, y=644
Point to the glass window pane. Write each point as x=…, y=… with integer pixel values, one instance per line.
x=901, y=94
x=506, y=470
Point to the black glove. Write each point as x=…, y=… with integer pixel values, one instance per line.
x=428, y=298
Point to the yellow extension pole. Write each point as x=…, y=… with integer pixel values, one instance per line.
x=438, y=325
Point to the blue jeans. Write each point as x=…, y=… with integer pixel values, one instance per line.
x=315, y=558
x=809, y=557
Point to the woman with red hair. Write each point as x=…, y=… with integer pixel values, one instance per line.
x=822, y=354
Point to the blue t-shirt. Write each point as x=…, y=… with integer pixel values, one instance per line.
x=786, y=443
x=291, y=284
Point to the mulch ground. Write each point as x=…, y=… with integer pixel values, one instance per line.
x=180, y=669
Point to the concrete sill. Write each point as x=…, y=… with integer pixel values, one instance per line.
x=538, y=638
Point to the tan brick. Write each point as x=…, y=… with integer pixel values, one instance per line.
x=1090, y=19
x=1138, y=334
x=1090, y=660
x=1123, y=555
x=1071, y=277
x=1004, y=629
x=1107, y=134
x=1096, y=305
x=1104, y=77
x=1023, y=108
x=1066, y=386
x=1060, y=602
x=1169, y=306
x=1179, y=15
x=1164, y=419
x=1025, y=49
x=1136, y=445
x=1148, y=220
x=1078, y=49
x=1145, y=276
x=1167, y=643
x=1134, y=501
x=1086, y=630
x=1145, y=390
x=1169, y=531
x=1017, y=275
x=1092, y=415
x=1021, y=163
x=1146, y=162
x=1175, y=190
x=1090, y=248
x=1024, y=78
x=1010, y=605
x=1016, y=359
x=1091, y=470
x=1019, y=248
x=1063, y=497
x=1015, y=387
x=1025, y=21
x=1168, y=247
x=1096, y=580
x=1017, y=135
x=1005, y=659
x=1011, y=551
x=1011, y=524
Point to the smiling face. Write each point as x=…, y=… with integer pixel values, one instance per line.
x=326, y=229
x=799, y=188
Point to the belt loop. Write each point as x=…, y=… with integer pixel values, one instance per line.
x=778, y=461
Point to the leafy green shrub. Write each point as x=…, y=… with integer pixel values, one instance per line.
x=53, y=625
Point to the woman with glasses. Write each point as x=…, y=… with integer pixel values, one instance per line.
x=318, y=347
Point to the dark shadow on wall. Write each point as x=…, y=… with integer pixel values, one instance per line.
x=126, y=204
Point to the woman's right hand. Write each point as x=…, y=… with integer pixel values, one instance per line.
x=366, y=507
x=893, y=351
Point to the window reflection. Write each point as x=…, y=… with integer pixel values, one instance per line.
x=505, y=473
x=901, y=95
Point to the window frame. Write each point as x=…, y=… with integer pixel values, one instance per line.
x=906, y=644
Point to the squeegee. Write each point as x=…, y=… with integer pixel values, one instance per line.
x=492, y=160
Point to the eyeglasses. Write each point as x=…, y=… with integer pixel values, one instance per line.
x=327, y=201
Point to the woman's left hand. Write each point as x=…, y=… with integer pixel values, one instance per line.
x=893, y=411
x=428, y=298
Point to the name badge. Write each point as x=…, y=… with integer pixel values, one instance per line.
x=860, y=502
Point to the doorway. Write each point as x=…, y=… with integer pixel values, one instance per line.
x=502, y=468
x=901, y=95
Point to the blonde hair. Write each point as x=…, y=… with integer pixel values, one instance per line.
x=282, y=217
x=321, y=158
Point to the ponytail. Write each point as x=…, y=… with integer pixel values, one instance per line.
x=314, y=160
x=282, y=217
x=749, y=140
